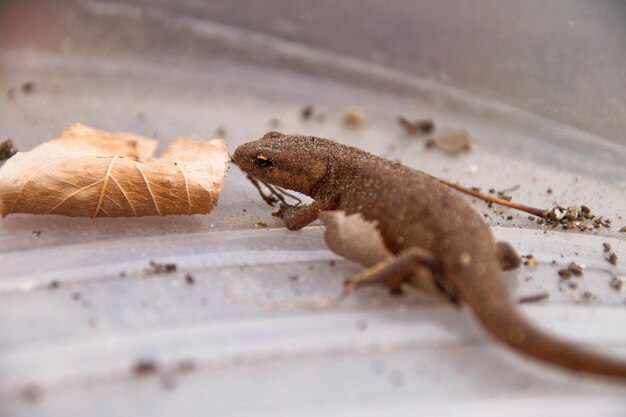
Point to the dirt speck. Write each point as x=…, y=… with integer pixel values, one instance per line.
x=307, y=112
x=144, y=367
x=573, y=269
x=7, y=149
x=416, y=127
x=31, y=393
x=617, y=282
x=354, y=117
x=529, y=260
x=160, y=268
x=220, y=132
x=534, y=298
x=274, y=122
x=586, y=297
x=28, y=87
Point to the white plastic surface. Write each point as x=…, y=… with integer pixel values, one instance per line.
x=69, y=350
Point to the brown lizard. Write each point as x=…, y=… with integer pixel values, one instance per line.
x=422, y=221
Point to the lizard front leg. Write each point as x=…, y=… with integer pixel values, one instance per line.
x=296, y=217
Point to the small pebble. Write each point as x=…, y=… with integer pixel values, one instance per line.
x=354, y=117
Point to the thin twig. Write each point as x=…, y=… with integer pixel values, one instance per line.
x=531, y=210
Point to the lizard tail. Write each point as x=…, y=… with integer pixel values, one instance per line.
x=519, y=334
x=488, y=297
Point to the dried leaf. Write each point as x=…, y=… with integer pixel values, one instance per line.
x=89, y=173
x=354, y=238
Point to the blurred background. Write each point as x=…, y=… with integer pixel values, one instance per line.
x=561, y=59
x=539, y=86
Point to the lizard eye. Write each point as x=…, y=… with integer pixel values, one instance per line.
x=264, y=161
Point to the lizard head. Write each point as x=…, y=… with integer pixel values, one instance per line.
x=294, y=162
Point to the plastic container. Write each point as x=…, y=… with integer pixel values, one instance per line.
x=85, y=329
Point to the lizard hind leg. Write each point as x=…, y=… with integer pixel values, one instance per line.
x=413, y=266
x=507, y=256
x=359, y=240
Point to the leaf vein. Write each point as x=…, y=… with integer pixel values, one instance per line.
x=125, y=196
x=176, y=162
x=149, y=189
x=104, y=186
x=19, y=192
x=72, y=194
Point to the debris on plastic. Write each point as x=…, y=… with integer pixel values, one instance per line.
x=452, y=141
x=529, y=260
x=144, y=367
x=354, y=117
x=617, y=282
x=7, y=149
x=160, y=268
x=573, y=269
x=534, y=298
x=417, y=127
x=307, y=112
x=574, y=217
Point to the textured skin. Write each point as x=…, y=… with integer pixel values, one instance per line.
x=413, y=210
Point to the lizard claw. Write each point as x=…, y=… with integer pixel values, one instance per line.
x=280, y=213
